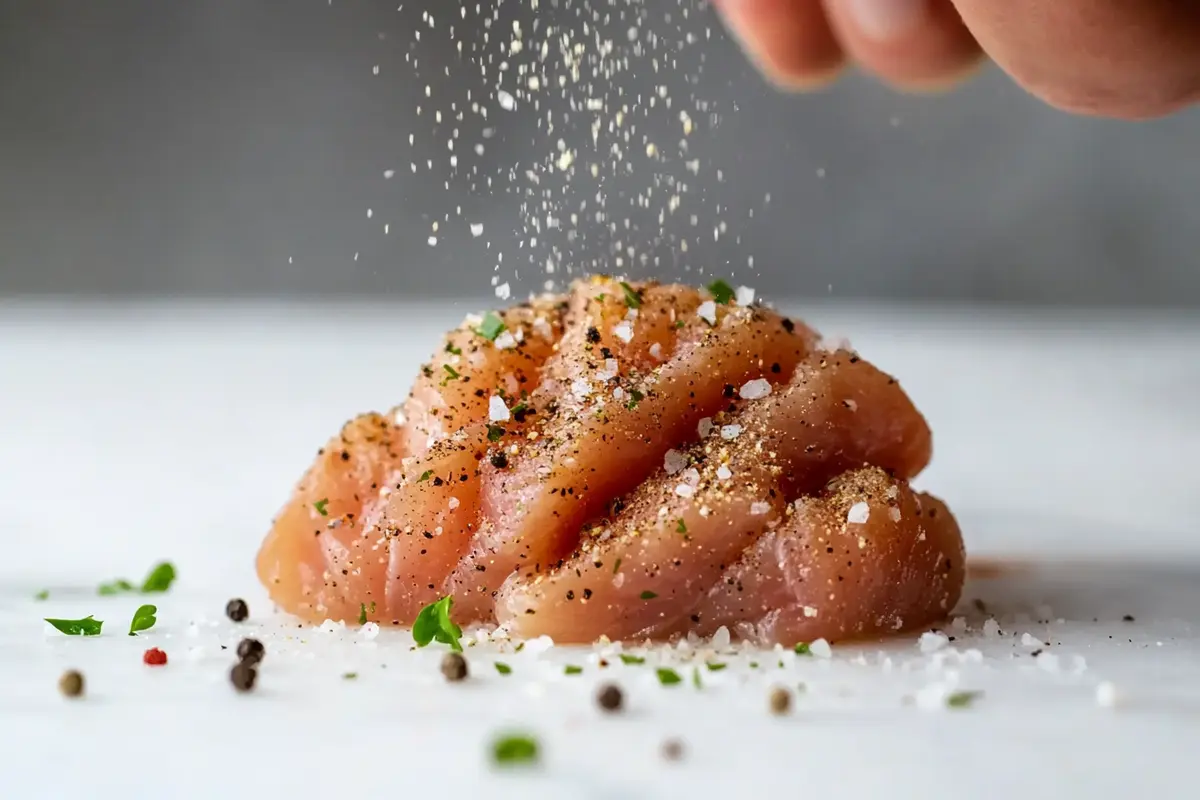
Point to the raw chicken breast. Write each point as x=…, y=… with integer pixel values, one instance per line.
x=629, y=461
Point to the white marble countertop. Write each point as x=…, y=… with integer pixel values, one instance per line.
x=1065, y=445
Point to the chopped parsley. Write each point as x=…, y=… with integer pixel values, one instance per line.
x=349, y=676
x=159, y=579
x=78, y=627
x=491, y=327
x=322, y=506
x=426, y=475
x=721, y=291
x=495, y=433
x=648, y=595
x=434, y=624
x=681, y=527
x=635, y=397
x=452, y=350
x=633, y=299
x=678, y=324
x=502, y=668
x=520, y=646
x=119, y=586
x=362, y=613
x=515, y=749
x=143, y=619
x=628, y=659
x=44, y=594
x=802, y=649
x=962, y=699
x=696, y=678
x=715, y=666
x=571, y=669
x=451, y=374
x=668, y=676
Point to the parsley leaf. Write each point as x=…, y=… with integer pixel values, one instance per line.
x=491, y=327
x=452, y=350
x=696, y=678
x=78, y=627
x=159, y=579
x=451, y=374
x=434, y=624
x=962, y=699
x=715, y=666
x=571, y=669
x=143, y=619
x=495, y=433
x=635, y=397
x=44, y=594
x=648, y=595
x=362, y=613
x=515, y=749
x=802, y=649
x=321, y=506
x=119, y=586
x=721, y=291
x=633, y=299
x=520, y=646
x=681, y=527
x=502, y=668
x=426, y=475
x=349, y=676
x=628, y=659
x=668, y=676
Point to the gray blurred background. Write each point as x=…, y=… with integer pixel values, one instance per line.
x=234, y=148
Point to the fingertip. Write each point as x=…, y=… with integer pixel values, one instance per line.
x=789, y=41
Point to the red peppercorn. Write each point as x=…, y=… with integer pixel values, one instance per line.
x=154, y=657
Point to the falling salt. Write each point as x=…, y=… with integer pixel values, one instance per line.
x=744, y=295
x=504, y=291
x=369, y=631
x=497, y=410
x=721, y=638
x=506, y=100
x=858, y=514
x=708, y=312
x=991, y=628
x=477, y=229
x=755, y=389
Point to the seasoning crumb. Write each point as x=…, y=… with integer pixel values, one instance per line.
x=454, y=667
x=780, y=701
x=154, y=657
x=1128, y=618
x=243, y=676
x=349, y=676
x=71, y=683
x=250, y=651
x=610, y=698
x=237, y=610
x=672, y=750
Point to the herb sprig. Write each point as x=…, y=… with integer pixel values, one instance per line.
x=434, y=624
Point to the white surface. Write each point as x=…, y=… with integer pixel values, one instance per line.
x=136, y=434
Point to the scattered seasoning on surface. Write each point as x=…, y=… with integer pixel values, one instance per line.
x=616, y=566
x=250, y=651
x=1127, y=618
x=610, y=697
x=962, y=699
x=802, y=649
x=520, y=646
x=78, y=627
x=668, y=676
x=780, y=701
x=451, y=372
x=143, y=619
x=721, y=291
x=715, y=666
x=452, y=350
x=71, y=683
x=154, y=657
x=633, y=299
x=349, y=676
x=434, y=624
x=672, y=750
x=571, y=669
x=44, y=594
x=454, y=667
x=499, y=460
x=681, y=527
x=635, y=397
x=502, y=668
x=628, y=659
x=648, y=595
x=243, y=676
x=321, y=506
x=362, y=613
x=495, y=433
x=491, y=327
x=237, y=610
x=426, y=475
x=515, y=749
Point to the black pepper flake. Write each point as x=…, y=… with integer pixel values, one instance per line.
x=250, y=651
x=729, y=390
x=1127, y=618
x=610, y=698
x=71, y=683
x=788, y=325
x=593, y=335
x=672, y=750
x=454, y=667
x=243, y=676
x=237, y=610
x=499, y=461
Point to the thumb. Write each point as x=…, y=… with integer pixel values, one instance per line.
x=790, y=41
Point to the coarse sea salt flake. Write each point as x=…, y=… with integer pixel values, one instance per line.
x=704, y=427
x=624, y=332
x=744, y=295
x=730, y=432
x=991, y=628
x=820, y=648
x=724, y=473
x=674, y=461
x=931, y=642
x=858, y=514
x=504, y=291
x=497, y=410
x=683, y=490
x=477, y=229
x=1031, y=641
x=758, y=509
x=755, y=389
x=369, y=631
x=708, y=312
x=505, y=341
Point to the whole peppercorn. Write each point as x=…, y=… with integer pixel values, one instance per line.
x=250, y=651
x=243, y=676
x=454, y=667
x=780, y=700
x=610, y=697
x=71, y=683
x=237, y=610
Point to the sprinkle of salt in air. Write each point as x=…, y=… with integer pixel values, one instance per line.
x=744, y=296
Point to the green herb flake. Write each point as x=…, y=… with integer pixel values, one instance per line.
x=715, y=666
x=696, y=678
x=502, y=668
x=628, y=659
x=44, y=594
x=520, y=646
x=426, y=475
x=802, y=649
x=515, y=749
x=495, y=433
x=721, y=291
x=668, y=676
x=349, y=676
x=617, y=566
x=571, y=669
x=648, y=595
x=753, y=665
x=321, y=507
x=159, y=579
x=962, y=699
x=434, y=624
x=678, y=324
x=451, y=373
x=119, y=586
x=635, y=397
x=78, y=627
x=143, y=619
x=362, y=613
x=452, y=350
x=633, y=299
x=681, y=527
x=491, y=327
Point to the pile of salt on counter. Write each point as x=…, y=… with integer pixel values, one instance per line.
x=610, y=89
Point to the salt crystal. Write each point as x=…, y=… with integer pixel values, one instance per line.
x=580, y=388
x=1047, y=661
x=724, y=473
x=931, y=641
x=506, y=100
x=497, y=410
x=329, y=626
x=477, y=229
x=820, y=648
x=859, y=513
x=683, y=490
x=1106, y=695
x=894, y=513
x=810, y=612
x=504, y=291
x=656, y=351
x=758, y=509
x=539, y=645
x=704, y=427
x=369, y=631
x=721, y=638
x=744, y=295
x=624, y=332
x=730, y=432
x=958, y=623
x=674, y=461
x=755, y=389
x=505, y=341
x=454, y=503
x=708, y=312
x=1031, y=641
x=991, y=628
x=691, y=476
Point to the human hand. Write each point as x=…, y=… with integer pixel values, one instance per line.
x=1130, y=59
